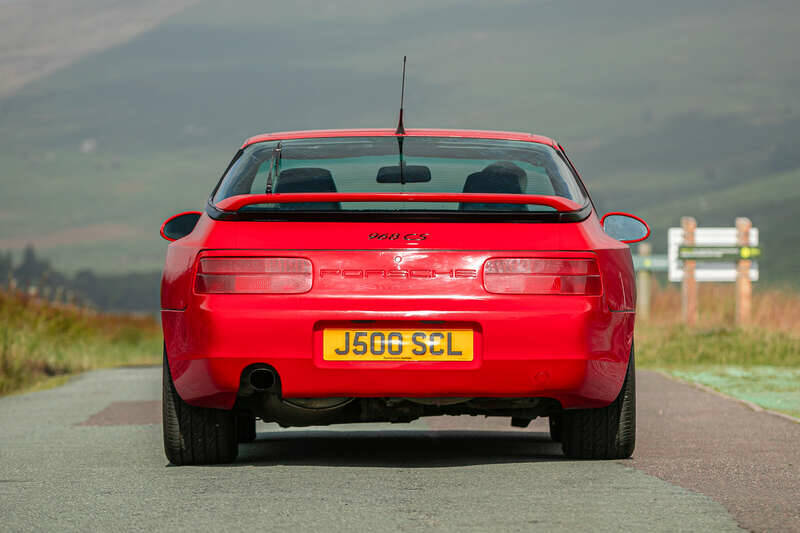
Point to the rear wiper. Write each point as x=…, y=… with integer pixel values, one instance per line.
x=274, y=163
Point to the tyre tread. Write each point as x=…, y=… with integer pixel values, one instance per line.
x=195, y=435
x=607, y=432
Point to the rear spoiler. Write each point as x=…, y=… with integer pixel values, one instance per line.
x=234, y=203
x=565, y=209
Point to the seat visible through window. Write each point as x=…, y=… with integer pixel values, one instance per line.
x=307, y=179
x=502, y=177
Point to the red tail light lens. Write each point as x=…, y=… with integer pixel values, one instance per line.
x=542, y=276
x=253, y=275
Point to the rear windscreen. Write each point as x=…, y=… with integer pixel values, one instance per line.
x=399, y=164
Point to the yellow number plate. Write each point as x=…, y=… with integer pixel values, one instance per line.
x=397, y=345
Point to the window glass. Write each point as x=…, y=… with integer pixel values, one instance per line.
x=372, y=164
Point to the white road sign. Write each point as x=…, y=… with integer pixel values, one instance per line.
x=708, y=270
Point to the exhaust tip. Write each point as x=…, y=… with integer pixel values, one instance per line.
x=262, y=379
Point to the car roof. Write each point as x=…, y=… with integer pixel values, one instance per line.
x=410, y=132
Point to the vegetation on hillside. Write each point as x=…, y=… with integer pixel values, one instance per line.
x=133, y=292
x=45, y=36
x=39, y=340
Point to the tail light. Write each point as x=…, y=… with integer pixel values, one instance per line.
x=253, y=275
x=542, y=276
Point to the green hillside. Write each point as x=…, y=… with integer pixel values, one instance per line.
x=668, y=109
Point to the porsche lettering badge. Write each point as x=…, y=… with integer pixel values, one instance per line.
x=357, y=273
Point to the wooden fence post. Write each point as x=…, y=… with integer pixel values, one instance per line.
x=689, y=285
x=643, y=284
x=744, y=288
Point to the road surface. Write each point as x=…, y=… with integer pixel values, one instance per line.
x=88, y=456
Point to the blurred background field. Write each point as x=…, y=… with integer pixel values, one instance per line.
x=127, y=114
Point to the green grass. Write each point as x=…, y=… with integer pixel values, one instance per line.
x=40, y=342
x=774, y=388
x=679, y=347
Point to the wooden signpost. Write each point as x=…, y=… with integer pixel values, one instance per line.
x=744, y=288
x=717, y=255
x=689, y=286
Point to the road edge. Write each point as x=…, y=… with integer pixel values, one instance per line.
x=747, y=403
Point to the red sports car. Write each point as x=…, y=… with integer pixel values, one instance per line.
x=375, y=276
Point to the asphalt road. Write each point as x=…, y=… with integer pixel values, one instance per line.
x=88, y=456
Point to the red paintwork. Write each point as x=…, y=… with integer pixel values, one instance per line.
x=161, y=230
x=574, y=349
x=411, y=132
x=234, y=203
x=629, y=241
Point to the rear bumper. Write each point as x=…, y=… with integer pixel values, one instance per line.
x=566, y=348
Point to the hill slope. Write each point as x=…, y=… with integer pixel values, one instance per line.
x=38, y=37
x=669, y=109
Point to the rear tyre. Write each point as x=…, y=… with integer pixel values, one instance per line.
x=195, y=435
x=607, y=432
x=246, y=428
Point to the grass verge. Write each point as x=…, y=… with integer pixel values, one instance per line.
x=759, y=363
x=40, y=341
x=679, y=347
x=770, y=387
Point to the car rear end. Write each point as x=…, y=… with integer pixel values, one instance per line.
x=395, y=299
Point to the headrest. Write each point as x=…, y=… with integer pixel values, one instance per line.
x=307, y=179
x=507, y=168
x=502, y=177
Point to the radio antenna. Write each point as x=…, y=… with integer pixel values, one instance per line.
x=400, y=129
